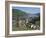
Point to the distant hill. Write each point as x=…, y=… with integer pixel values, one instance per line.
x=38, y=14
x=23, y=14
x=18, y=12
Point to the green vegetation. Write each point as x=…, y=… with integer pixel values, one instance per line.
x=21, y=25
x=17, y=13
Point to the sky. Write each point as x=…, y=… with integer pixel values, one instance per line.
x=32, y=10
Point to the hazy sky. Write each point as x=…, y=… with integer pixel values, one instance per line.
x=32, y=10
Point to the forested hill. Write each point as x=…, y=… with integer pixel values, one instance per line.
x=18, y=12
